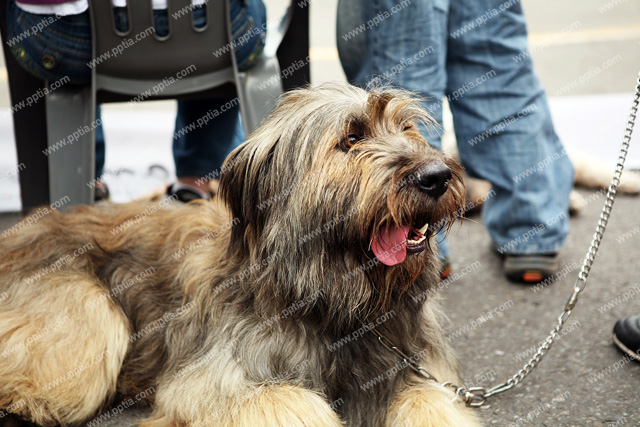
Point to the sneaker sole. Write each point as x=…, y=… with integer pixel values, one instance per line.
x=625, y=349
x=530, y=269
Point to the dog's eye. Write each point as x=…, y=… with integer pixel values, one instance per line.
x=349, y=141
x=407, y=126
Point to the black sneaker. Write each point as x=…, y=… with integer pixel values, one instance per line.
x=530, y=268
x=186, y=193
x=101, y=192
x=626, y=335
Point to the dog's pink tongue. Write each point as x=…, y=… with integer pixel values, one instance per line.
x=391, y=247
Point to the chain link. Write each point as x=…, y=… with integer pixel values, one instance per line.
x=477, y=396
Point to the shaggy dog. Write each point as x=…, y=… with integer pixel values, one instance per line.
x=264, y=311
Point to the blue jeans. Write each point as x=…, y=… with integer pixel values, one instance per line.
x=470, y=51
x=63, y=48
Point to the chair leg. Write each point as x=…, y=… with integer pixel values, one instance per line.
x=295, y=47
x=71, y=148
x=258, y=91
x=29, y=125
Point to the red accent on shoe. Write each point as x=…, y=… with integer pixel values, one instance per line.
x=532, y=276
x=445, y=272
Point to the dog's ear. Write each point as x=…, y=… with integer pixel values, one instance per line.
x=243, y=182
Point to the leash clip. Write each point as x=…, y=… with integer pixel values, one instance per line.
x=474, y=396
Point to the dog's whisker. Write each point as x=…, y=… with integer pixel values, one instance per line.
x=466, y=218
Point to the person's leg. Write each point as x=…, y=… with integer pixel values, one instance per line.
x=206, y=132
x=248, y=30
x=504, y=129
x=403, y=44
x=216, y=129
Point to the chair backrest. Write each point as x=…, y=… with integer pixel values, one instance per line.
x=38, y=127
x=132, y=62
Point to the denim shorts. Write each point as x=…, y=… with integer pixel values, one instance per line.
x=62, y=48
x=51, y=47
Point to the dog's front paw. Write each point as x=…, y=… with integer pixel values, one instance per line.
x=429, y=406
x=285, y=406
x=279, y=406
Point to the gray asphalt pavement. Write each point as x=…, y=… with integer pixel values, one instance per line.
x=584, y=380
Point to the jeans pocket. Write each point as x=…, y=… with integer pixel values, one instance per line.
x=53, y=53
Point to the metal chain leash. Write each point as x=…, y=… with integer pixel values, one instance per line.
x=587, y=263
x=477, y=396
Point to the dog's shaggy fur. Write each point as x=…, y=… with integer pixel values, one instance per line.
x=236, y=318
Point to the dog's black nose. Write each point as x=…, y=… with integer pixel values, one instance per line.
x=434, y=178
